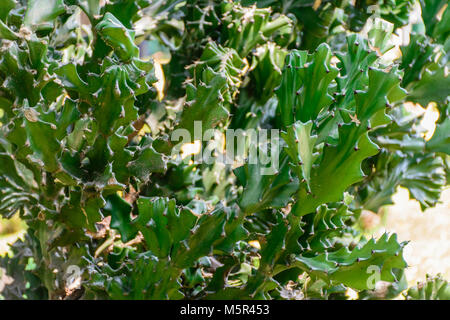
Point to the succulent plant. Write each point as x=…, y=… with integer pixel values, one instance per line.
x=92, y=93
x=434, y=288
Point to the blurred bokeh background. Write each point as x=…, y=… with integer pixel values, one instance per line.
x=429, y=248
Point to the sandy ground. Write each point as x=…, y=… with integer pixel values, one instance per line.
x=428, y=232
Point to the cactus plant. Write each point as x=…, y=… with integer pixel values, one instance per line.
x=435, y=288
x=92, y=93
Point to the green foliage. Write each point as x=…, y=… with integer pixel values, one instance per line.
x=435, y=288
x=91, y=94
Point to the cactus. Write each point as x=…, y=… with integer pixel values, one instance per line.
x=92, y=92
x=435, y=288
